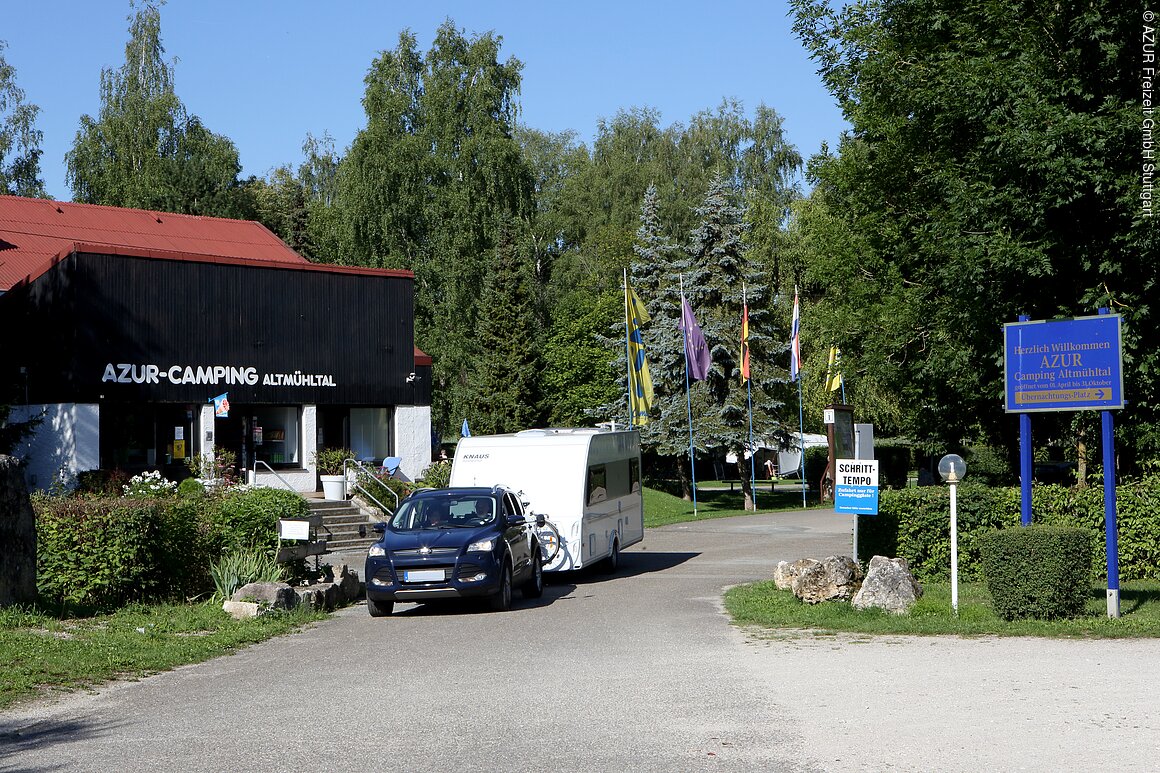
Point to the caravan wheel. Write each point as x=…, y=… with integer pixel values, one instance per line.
x=612, y=562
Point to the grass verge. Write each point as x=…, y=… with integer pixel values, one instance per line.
x=763, y=605
x=40, y=652
x=661, y=509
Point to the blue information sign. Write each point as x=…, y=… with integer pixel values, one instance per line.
x=1063, y=365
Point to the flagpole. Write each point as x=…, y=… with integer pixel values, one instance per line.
x=749, y=399
x=688, y=400
x=627, y=354
x=802, y=438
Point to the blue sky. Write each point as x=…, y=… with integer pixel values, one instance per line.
x=265, y=73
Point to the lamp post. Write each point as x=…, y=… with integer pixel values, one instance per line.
x=953, y=469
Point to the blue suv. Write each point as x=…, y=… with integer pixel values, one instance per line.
x=454, y=543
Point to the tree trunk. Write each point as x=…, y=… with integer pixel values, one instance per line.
x=17, y=537
x=743, y=472
x=684, y=479
x=1081, y=464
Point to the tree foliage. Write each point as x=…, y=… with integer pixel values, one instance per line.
x=990, y=172
x=19, y=137
x=428, y=182
x=144, y=150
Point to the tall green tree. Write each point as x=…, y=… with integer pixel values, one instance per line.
x=19, y=137
x=144, y=150
x=505, y=378
x=718, y=276
x=993, y=169
x=427, y=183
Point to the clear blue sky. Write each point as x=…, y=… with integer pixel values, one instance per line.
x=266, y=72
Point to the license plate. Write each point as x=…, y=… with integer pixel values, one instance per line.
x=423, y=575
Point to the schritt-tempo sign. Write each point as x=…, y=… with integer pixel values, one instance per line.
x=856, y=486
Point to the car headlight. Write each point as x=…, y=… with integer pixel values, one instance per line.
x=376, y=550
x=482, y=546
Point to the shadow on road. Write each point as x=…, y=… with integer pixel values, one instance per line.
x=631, y=564
x=45, y=734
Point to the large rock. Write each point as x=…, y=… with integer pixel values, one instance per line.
x=888, y=585
x=786, y=571
x=269, y=595
x=834, y=578
x=17, y=537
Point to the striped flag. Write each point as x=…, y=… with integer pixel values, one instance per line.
x=795, y=345
x=640, y=388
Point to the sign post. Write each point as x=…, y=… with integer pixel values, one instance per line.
x=856, y=490
x=1068, y=365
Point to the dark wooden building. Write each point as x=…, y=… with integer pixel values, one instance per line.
x=121, y=326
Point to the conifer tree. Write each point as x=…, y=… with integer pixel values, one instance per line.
x=715, y=268
x=503, y=387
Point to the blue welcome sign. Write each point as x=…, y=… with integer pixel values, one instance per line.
x=1063, y=365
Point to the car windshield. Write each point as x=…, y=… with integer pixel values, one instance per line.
x=444, y=512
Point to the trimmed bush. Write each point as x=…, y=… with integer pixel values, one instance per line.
x=1041, y=571
x=914, y=523
x=191, y=488
x=249, y=517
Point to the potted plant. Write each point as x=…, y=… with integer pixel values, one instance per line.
x=329, y=462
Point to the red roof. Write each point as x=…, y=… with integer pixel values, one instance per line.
x=35, y=232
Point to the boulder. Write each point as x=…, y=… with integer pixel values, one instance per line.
x=312, y=597
x=888, y=585
x=17, y=537
x=241, y=610
x=786, y=571
x=270, y=595
x=834, y=578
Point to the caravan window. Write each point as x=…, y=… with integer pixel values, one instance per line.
x=597, y=484
x=634, y=475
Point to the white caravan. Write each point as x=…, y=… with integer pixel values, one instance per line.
x=586, y=482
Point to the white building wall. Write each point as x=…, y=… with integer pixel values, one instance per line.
x=66, y=442
x=413, y=439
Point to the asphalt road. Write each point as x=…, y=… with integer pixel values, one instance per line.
x=639, y=671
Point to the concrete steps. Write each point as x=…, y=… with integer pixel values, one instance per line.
x=341, y=520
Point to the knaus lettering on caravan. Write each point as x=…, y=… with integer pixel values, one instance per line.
x=586, y=482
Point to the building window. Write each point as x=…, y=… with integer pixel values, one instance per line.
x=370, y=433
x=276, y=436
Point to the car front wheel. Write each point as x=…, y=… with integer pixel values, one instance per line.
x=380, y=608
x=501, y=600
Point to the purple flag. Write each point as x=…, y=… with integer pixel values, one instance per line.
x=696, y=350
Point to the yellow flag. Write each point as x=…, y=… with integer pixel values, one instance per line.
x=833, y=370
x=640, y=388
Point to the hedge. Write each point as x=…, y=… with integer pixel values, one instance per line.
x=99, y=553
x=914, y=523
x=1041, y=571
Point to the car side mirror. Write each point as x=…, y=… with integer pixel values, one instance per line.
x=541, y=520
x=380, y=527
x=515, y=520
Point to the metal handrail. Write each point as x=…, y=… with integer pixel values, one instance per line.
x=271, y=469
x=357, y=486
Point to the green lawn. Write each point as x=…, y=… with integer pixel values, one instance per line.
x=40, y=653
x=763, y=605
x=661, y=509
